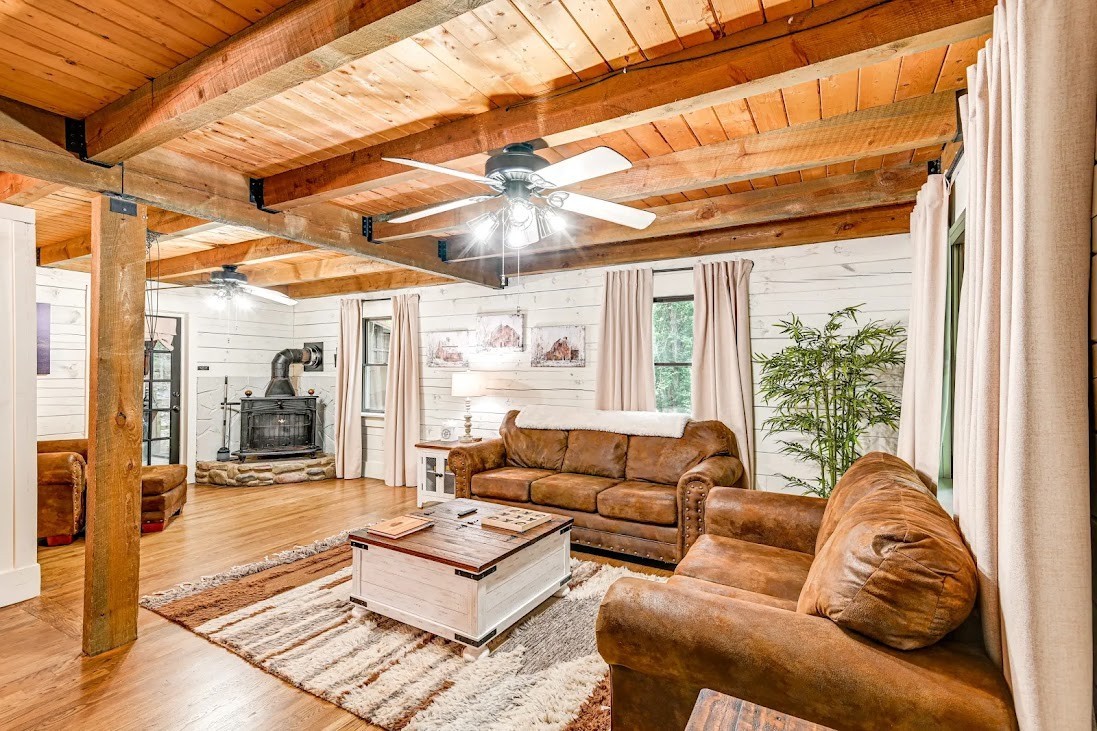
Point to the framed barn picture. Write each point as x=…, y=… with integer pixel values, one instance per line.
x=448, y=349
x=558, y=346
x=500, y=333
x=43, y=338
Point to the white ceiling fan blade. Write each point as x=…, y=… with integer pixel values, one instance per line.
x=584, y=166
x=268, y=294
x=439, y=169
x=613, y=212
x=441, y=207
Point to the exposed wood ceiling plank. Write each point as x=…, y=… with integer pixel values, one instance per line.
x=212, y=193
x=868, y=189
x=395, y=279
x=300, y=42
x=74, y=248
x=211, y=259
x=832, y=39
x=19, y=190
x=829, y=227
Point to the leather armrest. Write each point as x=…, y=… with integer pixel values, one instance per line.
x=796, y=663
x=61, y=468
x=469, y=460
x=693, y=489
x=771, y=518
x=79, y=446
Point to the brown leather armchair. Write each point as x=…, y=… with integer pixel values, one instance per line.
x=845, y=613
x=62, y=486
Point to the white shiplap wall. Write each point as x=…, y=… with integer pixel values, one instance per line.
x=808, y=280
x=234, y=341
x=62, y=394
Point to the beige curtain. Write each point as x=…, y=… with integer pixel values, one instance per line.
x=1021, y=468
x=348, y=407
x=723, y=387
x=920, y=416
x=402, y=392
x=626, y=371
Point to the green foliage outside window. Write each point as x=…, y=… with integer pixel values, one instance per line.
x=672, y=321
x=830, y=386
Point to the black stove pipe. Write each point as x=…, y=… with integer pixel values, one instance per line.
x=280, y=384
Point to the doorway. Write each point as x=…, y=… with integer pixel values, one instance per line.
x=162, y=390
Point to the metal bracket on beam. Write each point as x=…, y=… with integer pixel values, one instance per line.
x=443, y=254
x=255, y=195
x=76, y=141
x=123, y=206
x=367, y=228
x=934, y=166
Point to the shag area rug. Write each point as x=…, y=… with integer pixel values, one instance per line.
x=290, y=616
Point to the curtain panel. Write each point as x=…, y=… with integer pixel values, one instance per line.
x=626, y=366
x=348, y=385
x=722, y=384
x=1021, y=460
x=402, y=393
x=920, y=414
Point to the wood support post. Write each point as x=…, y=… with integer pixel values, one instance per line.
x=111, y=558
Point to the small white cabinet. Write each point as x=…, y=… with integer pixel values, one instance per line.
x=436, y=480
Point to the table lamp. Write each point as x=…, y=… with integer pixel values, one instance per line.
x=467, y=384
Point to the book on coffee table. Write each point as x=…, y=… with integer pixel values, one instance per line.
x=400, y=526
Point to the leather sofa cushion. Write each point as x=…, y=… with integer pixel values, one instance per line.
x=158, y=479
x=776, y=572
x=164, y=505
x=895, y=569
x=641, y=502
x=570, y=491
x=689, y=583
x=665, y=459
x=506, y=483
x=874, y=470
x=596, y=453
x=541, y=449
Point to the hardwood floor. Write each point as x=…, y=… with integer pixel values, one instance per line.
x=170, y=678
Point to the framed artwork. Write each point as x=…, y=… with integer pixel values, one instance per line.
x=448, y=349
x=558, y=346
x=43, y=338
x=500, y=333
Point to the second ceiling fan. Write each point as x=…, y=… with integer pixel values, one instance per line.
x=530, y=189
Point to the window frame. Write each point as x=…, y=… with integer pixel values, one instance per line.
x=366, y=363
x=672, y=364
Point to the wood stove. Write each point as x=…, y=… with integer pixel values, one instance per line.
x=277, y=426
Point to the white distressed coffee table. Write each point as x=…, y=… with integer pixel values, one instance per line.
x=459, y=580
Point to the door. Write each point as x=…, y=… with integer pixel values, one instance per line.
x=163, y=379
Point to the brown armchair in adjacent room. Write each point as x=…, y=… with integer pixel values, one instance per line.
x=853, y=613
x=62, y=484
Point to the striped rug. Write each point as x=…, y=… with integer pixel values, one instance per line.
x=290, y=616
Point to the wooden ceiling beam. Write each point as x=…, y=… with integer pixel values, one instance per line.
x=77, y=247
x=866, y=223
x=171, y=225
x=295, y=272
x=210, y=192
x=19, y=190
x=378, y=281
x=300, y=42
x=266, y=249
x=833, y=38
x=866, y=189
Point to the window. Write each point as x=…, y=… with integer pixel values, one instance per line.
x=375, y=363
x=672, y=321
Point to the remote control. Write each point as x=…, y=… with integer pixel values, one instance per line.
x=466, y=511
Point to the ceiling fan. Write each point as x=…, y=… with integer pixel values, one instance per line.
x=228, y=283
x=531, y=191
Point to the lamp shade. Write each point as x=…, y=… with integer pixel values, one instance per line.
x=467, y=384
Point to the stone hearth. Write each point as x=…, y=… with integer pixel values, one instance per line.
x=265, y=472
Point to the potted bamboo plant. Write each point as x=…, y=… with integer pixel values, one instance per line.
x=828, y=388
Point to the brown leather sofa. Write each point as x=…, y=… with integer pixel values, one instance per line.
x=62, y=484
x=637, y=495
x=853, y=613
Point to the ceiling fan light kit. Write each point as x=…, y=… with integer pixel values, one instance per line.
x=529, y=186
x=228, y=284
